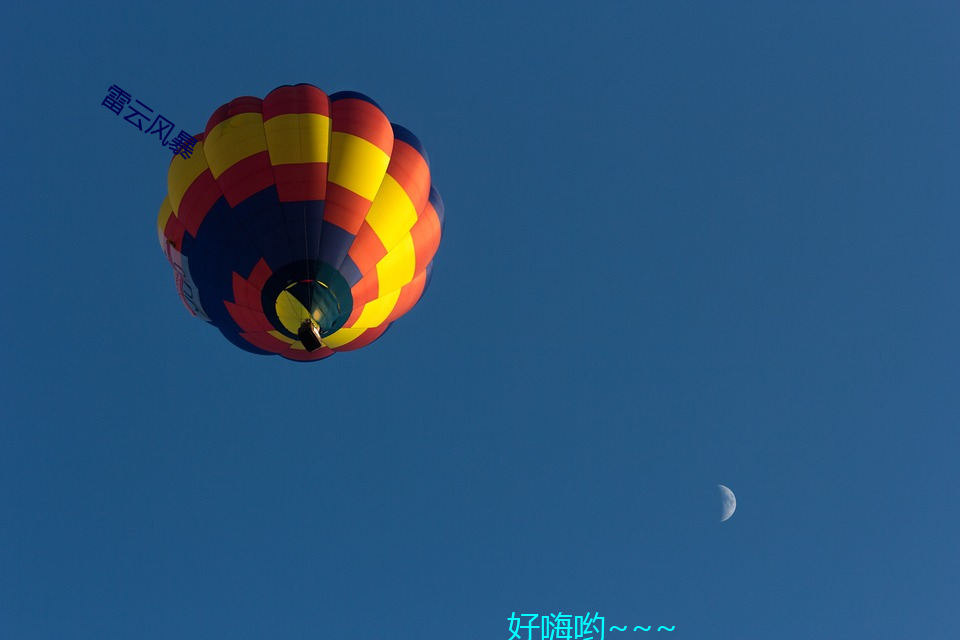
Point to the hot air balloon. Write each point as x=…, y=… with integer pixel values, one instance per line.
x=302, y=224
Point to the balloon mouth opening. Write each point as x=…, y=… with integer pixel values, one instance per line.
x=309, y=335
x=307, y=309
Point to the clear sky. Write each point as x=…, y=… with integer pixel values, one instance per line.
x=686, y=243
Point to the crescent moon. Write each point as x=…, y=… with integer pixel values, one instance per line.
x=728, y=502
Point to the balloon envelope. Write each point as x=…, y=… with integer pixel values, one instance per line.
x=301, y=210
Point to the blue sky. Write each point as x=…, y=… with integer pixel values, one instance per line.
x=686, y=243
